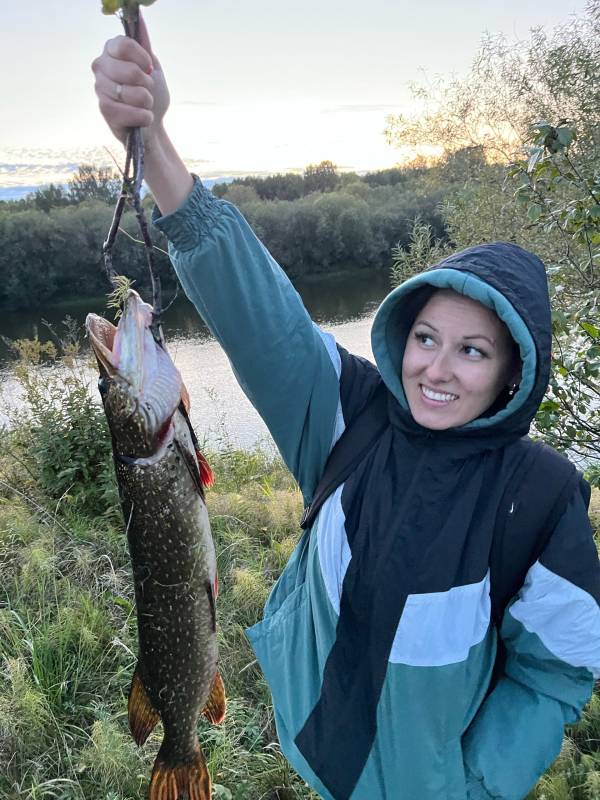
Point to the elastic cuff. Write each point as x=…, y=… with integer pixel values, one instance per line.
x=475, y=788
x=193, y=219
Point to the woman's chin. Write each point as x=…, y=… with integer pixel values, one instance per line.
x=435, y=418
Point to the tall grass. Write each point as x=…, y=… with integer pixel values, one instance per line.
x=68, y=632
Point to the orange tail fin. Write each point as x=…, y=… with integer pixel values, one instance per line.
x=171, y=782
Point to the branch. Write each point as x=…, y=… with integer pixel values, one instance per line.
x=131, y=190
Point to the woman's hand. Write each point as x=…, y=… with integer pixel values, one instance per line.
x=132, y=92
x=131, y=87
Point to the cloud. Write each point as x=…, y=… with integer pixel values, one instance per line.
x=38, y=166
x=361, y=108
x=33, y=169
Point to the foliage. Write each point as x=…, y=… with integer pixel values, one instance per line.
x=352, y=227
x=94, y=183
x=521, y=137
x=47, y=256
x=422, y=251
x=321, y=177
x=62, y=437
x=560, y=191
x=112, y=6
x=52, y=241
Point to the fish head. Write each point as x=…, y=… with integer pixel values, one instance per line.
x=140, y=385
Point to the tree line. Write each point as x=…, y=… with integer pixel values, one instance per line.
x=319, y=221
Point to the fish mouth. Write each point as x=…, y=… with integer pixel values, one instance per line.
x=130, y=358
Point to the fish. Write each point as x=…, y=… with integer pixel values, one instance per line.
x=161, y=476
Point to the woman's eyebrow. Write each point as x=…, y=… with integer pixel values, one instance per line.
x=472, y=336
x=424, y=321
x=481, y=336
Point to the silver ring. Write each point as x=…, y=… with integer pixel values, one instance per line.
x=119, y=91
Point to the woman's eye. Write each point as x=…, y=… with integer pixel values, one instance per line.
x=424, y=338
x=474, y=351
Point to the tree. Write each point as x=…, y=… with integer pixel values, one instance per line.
x=322, y=177
x=95, y=183
x=51, y=196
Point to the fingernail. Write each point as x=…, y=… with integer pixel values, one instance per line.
x=150, y=70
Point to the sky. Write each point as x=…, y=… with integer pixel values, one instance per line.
x=259, y=87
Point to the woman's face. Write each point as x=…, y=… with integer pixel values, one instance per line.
x=457, y=360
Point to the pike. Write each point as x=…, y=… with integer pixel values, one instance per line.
x=161, y=477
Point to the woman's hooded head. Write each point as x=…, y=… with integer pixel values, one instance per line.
x=512, y=283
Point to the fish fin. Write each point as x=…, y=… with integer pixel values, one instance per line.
x=211, y=601
x=185, y=399
x=206, y=474
x=214, y=710
x=143, y=717
x=170, y=782
x=192, y=464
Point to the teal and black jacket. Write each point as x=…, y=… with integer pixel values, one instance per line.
x=377, y=641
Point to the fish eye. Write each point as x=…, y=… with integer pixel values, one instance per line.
x=103, y=386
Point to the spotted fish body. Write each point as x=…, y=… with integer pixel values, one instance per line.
x=160, y=476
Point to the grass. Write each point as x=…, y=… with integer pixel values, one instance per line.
x=68, y=642
x=68, y=632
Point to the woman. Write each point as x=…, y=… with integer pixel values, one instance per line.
x=378, y=642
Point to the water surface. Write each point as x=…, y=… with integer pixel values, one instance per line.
x=343, y=305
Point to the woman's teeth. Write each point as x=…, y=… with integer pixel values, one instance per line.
x=441, y=398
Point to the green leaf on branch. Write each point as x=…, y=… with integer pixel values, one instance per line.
x=534, y=156
x=592, y=330
x=111, y=6
x=565, y=136
x=534, y=212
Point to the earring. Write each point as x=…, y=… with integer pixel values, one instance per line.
x=512, y=389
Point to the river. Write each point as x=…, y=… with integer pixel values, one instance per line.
x=343, y=305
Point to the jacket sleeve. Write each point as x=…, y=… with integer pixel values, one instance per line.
x=286, y=366
x=551, y=632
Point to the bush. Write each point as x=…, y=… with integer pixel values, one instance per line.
x=62, y=437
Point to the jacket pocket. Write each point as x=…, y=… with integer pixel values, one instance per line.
x=284, y=644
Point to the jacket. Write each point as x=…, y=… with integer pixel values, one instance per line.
x=377, y=642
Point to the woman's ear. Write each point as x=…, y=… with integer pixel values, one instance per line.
x=514, y=380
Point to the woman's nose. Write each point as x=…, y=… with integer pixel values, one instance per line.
x=439, y=369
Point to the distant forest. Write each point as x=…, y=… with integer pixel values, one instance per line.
x=317, y=222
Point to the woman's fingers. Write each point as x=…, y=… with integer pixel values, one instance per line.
x=124, y=48
x=131, y=88
x=121, y=117
x=125, y=72
x=137, y=96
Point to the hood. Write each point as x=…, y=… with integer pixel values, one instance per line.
x=502, y=276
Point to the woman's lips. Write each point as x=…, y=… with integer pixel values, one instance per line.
x=436, y=399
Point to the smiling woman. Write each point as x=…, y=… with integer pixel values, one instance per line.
x=459, y=357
